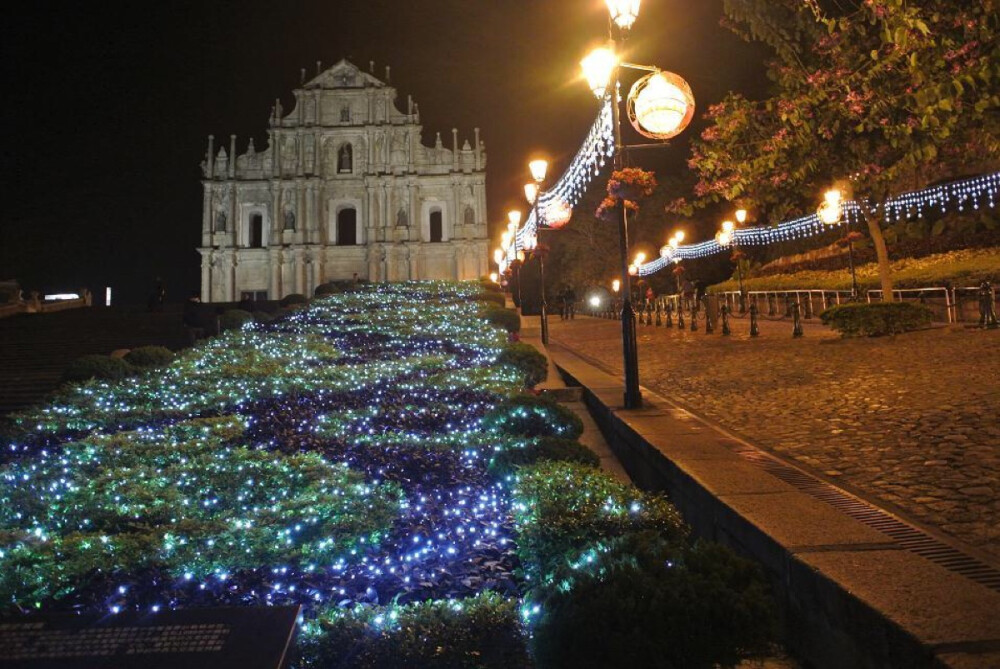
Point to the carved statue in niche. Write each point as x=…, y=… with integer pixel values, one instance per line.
x=289, y=219
x=402, y=220
x=398, y=148
x=345, y=159
x=310, y=153
x=289, y=154
x=379, y=145
x=220, y=221
x=470, y=216
x=379, y=110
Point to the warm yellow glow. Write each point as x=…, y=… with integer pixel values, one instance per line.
x=538, y=169
x=640, y=258
x=741, y=216
x=679, y=236
x=494, y=277
x=832, y=196
x=595, y=301
x=616, y=285
x=498, y=256
x=557, y=213
x=728, y=226
x=520, y=255
x=633, y=270
x=505, y=240
x=531, y=192
x=829, y=212
x=724, y=238
x=662, y=105
x=673, y=243
x=531, y=243
x=623, y=12
x=598, y=67
x=514, y=216
x=666, y=251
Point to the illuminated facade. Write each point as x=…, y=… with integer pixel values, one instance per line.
x=344, y=187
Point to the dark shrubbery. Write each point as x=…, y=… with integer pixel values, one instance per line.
x=648, y=602
x=100, y=367
x=338, y=286
x=546, y=448
x=481, y=632
x=263, y=317
x=492, y=298
x=490, y=285
x=146, y=357
x=531, y=416
x=508, y=319
x=528, y=360
x=233, y=319
x=878, y=318
x=293, y=299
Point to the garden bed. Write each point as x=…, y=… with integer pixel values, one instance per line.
x=338, y=457
x=965, y=268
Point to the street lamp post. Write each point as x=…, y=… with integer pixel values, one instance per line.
x=831, y=212
x=533, y=192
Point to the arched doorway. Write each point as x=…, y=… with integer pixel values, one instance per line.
x=347, y=227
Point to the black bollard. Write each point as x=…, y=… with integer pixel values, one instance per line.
x=726, y=331
x=659, y=316
x=796, y=320
x=754, y=329
x=680, y=316
x=649, y=313
x=987, y=308
x=709, y=328
x=670, y=316
x=694, y=316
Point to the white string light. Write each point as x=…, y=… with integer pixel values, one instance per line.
x=572, y=185
x=973, y=192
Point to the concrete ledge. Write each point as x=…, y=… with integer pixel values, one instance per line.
x=851, y=596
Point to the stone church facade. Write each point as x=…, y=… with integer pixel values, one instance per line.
x=344, y=187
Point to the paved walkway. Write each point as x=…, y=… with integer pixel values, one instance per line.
x=911, y=423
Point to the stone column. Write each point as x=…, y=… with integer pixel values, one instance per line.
x=206, y=214
x=231, y=288
x=275, y=266
x=206, y=275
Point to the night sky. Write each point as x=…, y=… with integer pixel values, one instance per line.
x=108, y=106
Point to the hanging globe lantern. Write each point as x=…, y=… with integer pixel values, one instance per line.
x=557, y=213
x=660, y=105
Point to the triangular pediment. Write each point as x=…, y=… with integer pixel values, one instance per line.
x=344, y=74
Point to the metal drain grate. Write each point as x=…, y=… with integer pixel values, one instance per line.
x=907, y=536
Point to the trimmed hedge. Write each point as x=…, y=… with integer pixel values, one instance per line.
x=649, y=602
x=532, y=416
x=528, y=360
x=876, y=319
x=506, y=461
x=562, y=509
x=293, y=299
x=508, y=319
x=147, y=357
x=484, y=631
x=95, y=366
x=492, y=299
x=234, y=319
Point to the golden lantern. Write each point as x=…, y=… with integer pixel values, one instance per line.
x=829, y=211
x=538, y=168
x=624, y=12
x=598, y=67
x=616, y=285
x=741, y=216
x=660, y=105
x=530, y=192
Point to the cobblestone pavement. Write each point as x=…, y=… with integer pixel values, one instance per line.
x=912, y=422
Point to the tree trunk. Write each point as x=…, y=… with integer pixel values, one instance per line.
x=878, y=240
